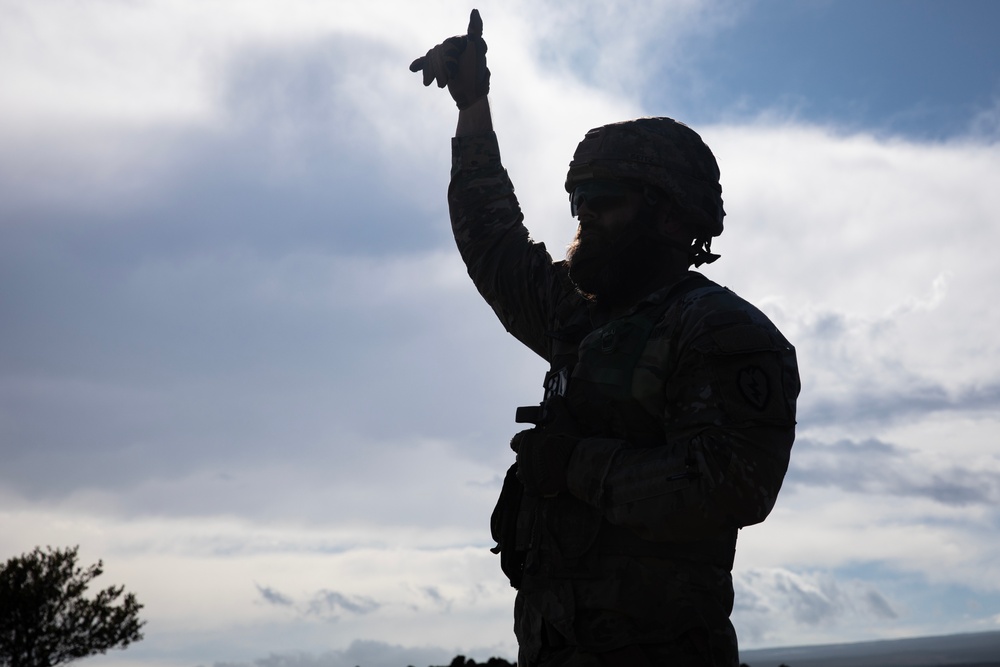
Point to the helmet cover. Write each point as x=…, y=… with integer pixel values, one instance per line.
x=659, y=152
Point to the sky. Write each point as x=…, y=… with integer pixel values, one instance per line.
x=241, y=361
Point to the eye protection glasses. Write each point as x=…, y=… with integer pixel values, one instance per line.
x=598, y=195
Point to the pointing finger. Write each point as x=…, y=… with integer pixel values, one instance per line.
x=475, y=24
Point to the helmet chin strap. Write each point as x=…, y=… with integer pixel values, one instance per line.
x=701, y=252
x=698, y=252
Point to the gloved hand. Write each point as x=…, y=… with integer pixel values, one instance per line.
x=459, y=63
x=542, y=460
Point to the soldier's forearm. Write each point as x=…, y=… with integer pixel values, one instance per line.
x=476, y=119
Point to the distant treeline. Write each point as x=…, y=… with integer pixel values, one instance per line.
x=461, y=661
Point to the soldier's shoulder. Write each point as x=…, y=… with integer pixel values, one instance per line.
x=707, y=298
x=711, y=307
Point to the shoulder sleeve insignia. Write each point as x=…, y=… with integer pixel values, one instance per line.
x=754, y=386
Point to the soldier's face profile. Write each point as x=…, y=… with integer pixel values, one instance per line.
x=603, y=209
x=612, y=251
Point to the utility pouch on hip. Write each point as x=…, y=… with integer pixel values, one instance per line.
x=503, y=527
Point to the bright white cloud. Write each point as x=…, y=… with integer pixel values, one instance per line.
x=771, y=597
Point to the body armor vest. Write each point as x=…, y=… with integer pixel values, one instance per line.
x=594, y=371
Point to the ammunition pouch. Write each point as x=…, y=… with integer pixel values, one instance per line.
x=503, y=527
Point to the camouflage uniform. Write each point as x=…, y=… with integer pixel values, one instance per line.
x=688, y=403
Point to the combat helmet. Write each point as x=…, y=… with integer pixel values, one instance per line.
x=660, y=152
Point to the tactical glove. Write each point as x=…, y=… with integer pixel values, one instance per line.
x=460, y=63
x=542, y=461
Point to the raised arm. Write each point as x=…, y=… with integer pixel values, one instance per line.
x=475, y=120
x=516, y=276
x=460, y=63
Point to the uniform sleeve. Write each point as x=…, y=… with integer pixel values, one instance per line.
x=729, y=424
x=516, y=276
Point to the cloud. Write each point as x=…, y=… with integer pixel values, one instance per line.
x=326, y=603
x=239, y=346
x=900, y=402
x=985, y=124
x=877, y=468
x=768, y=598
x=359, y=652
x=323, y=603
x=436, y=597
x=272, y=596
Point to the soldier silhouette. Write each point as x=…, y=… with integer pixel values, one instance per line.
x=669, y=409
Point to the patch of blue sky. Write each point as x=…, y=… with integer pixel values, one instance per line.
x=919, y=69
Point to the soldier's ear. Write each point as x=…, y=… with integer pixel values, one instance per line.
x=663, y=209
x=651, y=195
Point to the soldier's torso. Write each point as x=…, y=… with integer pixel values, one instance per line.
x=684, y=362
x=613, y=379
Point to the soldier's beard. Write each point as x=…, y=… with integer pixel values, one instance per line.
x=620, y=270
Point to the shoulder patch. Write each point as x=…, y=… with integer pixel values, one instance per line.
x=742, y=338
x=754, y=386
